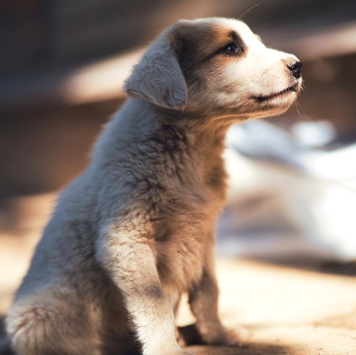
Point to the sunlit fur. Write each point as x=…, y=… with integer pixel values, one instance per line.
x=136, y=230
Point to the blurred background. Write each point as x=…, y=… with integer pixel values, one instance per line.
x=292, y=193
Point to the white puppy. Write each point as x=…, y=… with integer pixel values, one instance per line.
x=136, y=230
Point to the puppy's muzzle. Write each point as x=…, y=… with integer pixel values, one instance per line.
x=296, y=69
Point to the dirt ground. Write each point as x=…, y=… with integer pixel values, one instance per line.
x=283, y=309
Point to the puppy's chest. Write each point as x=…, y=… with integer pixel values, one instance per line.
x=185, y=236
x=180, y=258
x=184, y=242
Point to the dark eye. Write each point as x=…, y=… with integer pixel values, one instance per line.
x=231, y=48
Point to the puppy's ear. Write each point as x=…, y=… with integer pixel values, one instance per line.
x=158, y=78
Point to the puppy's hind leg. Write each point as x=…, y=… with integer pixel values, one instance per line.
x=49, y=325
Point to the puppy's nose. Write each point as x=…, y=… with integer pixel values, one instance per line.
x=295, y=68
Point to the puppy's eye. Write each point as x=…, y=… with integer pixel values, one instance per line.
x=231, y=48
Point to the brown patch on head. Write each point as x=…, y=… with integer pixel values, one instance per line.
x=200, y=44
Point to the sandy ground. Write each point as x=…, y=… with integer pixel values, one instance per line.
x=284, y=310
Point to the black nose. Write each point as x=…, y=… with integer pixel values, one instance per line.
x=296, y=68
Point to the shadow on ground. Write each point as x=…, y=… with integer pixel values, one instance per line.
x=245, y=349
x=347, y=268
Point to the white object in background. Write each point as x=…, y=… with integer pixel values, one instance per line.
x=313, y=192
x=313, y=134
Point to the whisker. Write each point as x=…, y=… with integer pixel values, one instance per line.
x=248, y=11
x=296, y=105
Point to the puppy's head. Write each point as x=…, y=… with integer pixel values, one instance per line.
x=216, y=67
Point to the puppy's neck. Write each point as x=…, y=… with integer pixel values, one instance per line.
x=201, y=131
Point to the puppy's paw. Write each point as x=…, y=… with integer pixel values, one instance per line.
x=216, y=334
x=232, y=337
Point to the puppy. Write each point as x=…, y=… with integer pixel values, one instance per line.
x=136, y=230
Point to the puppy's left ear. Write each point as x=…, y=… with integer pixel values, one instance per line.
x=158, y=78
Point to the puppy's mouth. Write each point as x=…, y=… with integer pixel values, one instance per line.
x=262, y=98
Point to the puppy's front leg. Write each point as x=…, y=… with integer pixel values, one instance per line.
x=131, y=265
x=203, y=300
